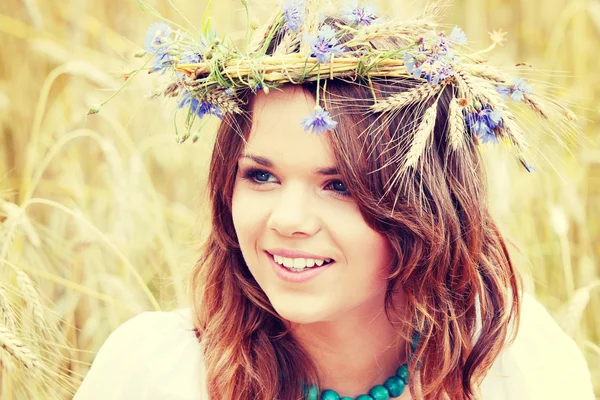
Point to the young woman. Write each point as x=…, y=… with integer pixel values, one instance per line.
x=351, y=256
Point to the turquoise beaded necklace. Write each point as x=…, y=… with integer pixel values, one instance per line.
x=393, y=387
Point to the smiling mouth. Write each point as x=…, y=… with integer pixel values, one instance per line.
x=300, y=264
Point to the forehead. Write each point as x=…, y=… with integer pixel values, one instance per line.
x=278, y=134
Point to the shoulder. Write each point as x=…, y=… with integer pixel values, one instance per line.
x=542, y=363
x=154, y=355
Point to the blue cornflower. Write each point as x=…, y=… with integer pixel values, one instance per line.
x=190, y=57
x=199, y=108
x=324, y=45
x=517, y=91
x=157, y=36
x=441, y=71
x=161, y=61
x=293, y=14
x=359, y=15
x=157, y=43
x=458, y=36
x=434, y=59
x=414, y=65
x=483, y=122
x=319, y=121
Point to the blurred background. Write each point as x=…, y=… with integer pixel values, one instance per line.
x=101, y=215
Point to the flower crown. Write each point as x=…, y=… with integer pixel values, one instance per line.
x=207, y=75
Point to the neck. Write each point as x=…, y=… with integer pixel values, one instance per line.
x=356, y=352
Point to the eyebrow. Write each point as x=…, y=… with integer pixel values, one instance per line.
x=269, y=164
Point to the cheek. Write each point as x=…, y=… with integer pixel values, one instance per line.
x=248, y=214
x=366, y=250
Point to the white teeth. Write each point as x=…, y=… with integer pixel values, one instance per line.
x=299, y=263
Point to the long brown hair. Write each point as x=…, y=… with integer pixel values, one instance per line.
x=451, y=261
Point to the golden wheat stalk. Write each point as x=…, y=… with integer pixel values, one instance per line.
x=535, y=103
x=490, y=74
x=6, y=362
x=567, y=113
x=573, y=311
x=421, y=137
x=485, y=92
x=456, y=125
x=31, y=297
x=386, y=30
x=571, y=116
x=225, y=102
x=465, y=84
x=515, y=134
x=311, y=22
x=17, y=349
x=287, y=44
x=6, y=309
x=411, y=96
x=7, y=315
x=477, y=87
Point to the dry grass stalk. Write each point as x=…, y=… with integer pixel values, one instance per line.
x=17, y=349
x=456, y=125
x=31, y=297
x=172, y=90
x=398, y=101
x=279, y=68
x=421, y=136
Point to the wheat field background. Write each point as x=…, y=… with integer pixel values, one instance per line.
x=101, y=215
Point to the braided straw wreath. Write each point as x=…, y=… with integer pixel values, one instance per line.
x=208, y=75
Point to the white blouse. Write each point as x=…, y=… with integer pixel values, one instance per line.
x=155, y=356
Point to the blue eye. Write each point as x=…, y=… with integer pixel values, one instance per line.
x=339, y=188
x=261, y=176
x=257, y=176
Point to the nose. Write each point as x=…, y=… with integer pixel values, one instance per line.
x=293, y=213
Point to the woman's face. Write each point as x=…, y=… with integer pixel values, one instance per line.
x=290, y=205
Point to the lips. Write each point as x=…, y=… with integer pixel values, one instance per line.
x=300, y=262
x=289, y=253
x=295, y=277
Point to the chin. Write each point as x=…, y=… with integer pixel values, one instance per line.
x=299, y=314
